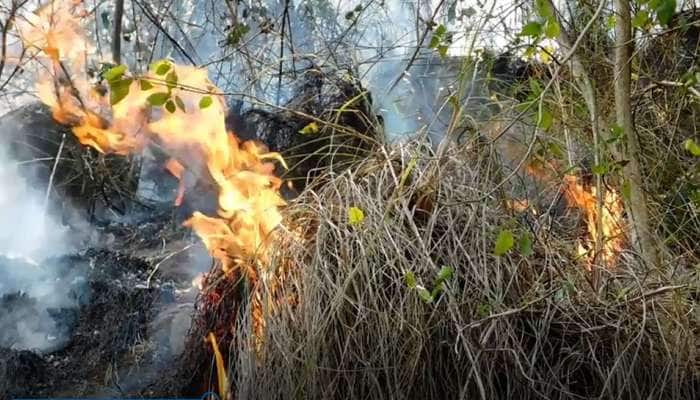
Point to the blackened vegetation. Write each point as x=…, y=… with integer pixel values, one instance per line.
x=328, y=124
x=83, y=179
x=111, y=350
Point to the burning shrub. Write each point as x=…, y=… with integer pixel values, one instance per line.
x=408, y=300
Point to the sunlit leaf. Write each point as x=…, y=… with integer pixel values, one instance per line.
x=355, y=216
x=411, y=280
x=504, y=242
x=424, y=294
x=171, y=80
x=158, y=99
x=444, y=274
x=692, y=147
x=205, y=102
x=545, y=119
x=170, y=106
x=640, y=19
x=544, y=9
x=119, y=90
x=552, y=29
x=310, y=129
x=531, y=29
x=161, y=68
x=145, y=85
x=114, y=73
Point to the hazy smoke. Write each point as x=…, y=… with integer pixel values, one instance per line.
x=34, y=297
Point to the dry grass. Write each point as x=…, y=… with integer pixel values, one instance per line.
x=346, y=325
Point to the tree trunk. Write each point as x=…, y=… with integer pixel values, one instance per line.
x=642, y=234
x=117, y=32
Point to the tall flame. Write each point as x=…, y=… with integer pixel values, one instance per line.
x=111, y=120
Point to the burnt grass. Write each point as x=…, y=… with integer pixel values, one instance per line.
x=110, y=350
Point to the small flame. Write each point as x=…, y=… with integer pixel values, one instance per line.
x=585, y=199
x=194, y=135
x=612, y=234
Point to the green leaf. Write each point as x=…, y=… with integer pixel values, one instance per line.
x=424, y=294
x=525, y=244
x=600, y=169
x=665, y=11
x=640, y=19
x=145, y=85
x=440, y=30
x=611, y=21
x=545, y=119
x=692, y=147
x=170, y=106
x=444, y=274
x=310, y=129
x=355, y=216
x=162, y=68
x=442, y=50
x=434, y=42
x=410, y=278
x=205, y=102
x=114, y=73
x=552, y=28
x=180, y=104
x=239, y=30
x=171, y=80
x=531, y=29
x=504, y=242
x=483, y=310
x=158, y=99
x=119, y=90
x=544, y=9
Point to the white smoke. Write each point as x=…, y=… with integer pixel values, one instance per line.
x=31, y=291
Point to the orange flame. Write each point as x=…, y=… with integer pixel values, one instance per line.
x=585, y=199
x=612, y=234
x=192, y=133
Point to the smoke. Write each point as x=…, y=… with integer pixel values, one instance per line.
x=35, y=297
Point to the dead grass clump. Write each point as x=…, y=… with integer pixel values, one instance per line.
x=347, y=323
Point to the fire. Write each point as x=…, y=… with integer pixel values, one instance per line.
x=584, y=198
x=171, y=106
x=612, y=234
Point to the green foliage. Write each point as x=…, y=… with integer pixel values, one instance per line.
x=171, y=80
x=355, y=216
x=692, y=147
x=118, y=90
x=428, y=296
x=525, y=244
x=145, y=84
x=504, y=242
x=532, y=29
x=664, y=10
x=161, y=67
x=205, y=102
x=310, y=129
x=114, y=73
x=441, y=40
x=236, y=34
x=158, y=99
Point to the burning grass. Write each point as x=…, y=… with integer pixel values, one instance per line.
x=367, y=308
